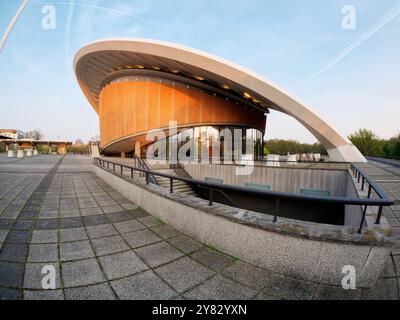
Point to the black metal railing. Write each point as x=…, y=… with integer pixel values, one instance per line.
x=222, y=189
x=363, y=178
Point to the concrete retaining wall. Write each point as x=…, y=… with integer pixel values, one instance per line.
x=280, y=179
x=300, y=249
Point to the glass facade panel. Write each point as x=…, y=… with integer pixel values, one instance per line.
x=213, y=144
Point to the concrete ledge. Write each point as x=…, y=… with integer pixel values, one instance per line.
x=304, y=250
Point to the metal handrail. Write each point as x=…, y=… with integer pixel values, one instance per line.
x=143, y=165
x=362, y=178
x=384, y=199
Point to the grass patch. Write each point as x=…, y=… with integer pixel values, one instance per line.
x=159, y=221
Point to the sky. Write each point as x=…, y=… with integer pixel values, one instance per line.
x=349, y=76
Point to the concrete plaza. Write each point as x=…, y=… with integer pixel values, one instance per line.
x=55, y=211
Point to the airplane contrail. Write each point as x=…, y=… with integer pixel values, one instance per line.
x=11, y=26
x=83, y=5
x=389, y=16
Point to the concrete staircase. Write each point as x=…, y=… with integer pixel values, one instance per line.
x=94, y=151
x=179, y=186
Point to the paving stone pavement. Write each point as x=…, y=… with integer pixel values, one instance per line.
x=56, y=212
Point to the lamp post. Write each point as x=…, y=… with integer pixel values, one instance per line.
x=12, y=23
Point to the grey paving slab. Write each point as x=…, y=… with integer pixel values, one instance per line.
x=91, y=211
x=96, y=292
x=112, y=209
x=150, y=221
x=157, y=254
x=11, y=274
x=184, y=274
x=288, y=288
x=81, y=273
x=71, y=222
x=44, y=236
x=48, y=295
x=128, y=206
x=43, y=253
x=186, y=244
x=100, y=231
x=19, y=236
x=384, y=289
x=23, y=225
x=220, y=288
x=213, y=259
x=165, y=231
x=141, y=238
x=76, y=250
x=138, y=213
x=128, y=226
x=247, y=274
x=325, y=292
x=108, y=245
x=14, y=252
x=70, y=213
x=46, y=224
x=10, y=294
x=6, y=224
x=118, y=217
x=3, y=235
x=142, y=286
x=95, y=220
x=48, y=214
x=122, y=264
x=73, y=234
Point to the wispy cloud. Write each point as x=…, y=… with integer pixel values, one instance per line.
x=388, y=17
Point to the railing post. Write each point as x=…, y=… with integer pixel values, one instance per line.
x=362, y=184
x=113, y=167
x=277, y=205
x=147, y=177
x=369, y=191
x=171, y=185
x=210, y=196
x=108, y=165
x=131, y=173
x=363, y=219
x=378, y=218
x=122, y=171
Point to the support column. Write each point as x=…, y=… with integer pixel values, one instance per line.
x=137, y=149
x=123, y=155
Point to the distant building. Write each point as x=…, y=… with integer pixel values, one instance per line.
x=11, y=134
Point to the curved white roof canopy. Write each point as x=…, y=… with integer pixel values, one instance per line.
x=98, y=62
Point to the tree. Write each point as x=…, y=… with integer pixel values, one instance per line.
x=367, y=142
x=278, y=146
x=78, y=142
x=34, y=135
x=95, y=138
x=392, y=147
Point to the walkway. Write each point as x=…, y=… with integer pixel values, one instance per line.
x=56, y=211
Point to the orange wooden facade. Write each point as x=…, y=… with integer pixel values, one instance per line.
x=129, y=109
